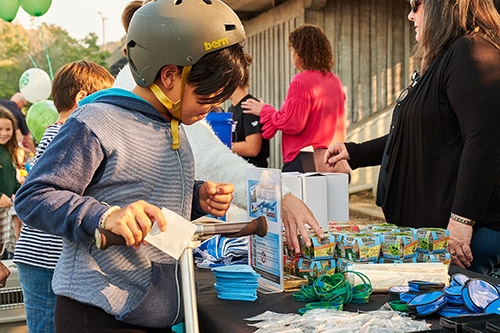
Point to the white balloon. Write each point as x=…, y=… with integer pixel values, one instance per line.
x=35, y=85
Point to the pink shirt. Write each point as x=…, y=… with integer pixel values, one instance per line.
x=313, y=110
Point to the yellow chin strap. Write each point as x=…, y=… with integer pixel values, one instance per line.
x=174, y=107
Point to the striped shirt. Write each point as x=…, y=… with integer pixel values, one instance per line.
x=35, y=247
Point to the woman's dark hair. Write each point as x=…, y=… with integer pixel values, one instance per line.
x=446, y=20
x=312, y=47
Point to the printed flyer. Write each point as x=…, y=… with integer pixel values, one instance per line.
x=266, y=253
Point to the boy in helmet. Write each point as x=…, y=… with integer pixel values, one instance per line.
x=122, y=156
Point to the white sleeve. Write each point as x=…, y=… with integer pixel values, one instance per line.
x=214, y=161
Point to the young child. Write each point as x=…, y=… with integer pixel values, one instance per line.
x=37, y=252
x=122, y=156
x=247, y=137
x=229, y=167
x=8, y=180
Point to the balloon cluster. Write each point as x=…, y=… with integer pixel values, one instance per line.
x=9, y=8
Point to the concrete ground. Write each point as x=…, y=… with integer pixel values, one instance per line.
x=363, y=210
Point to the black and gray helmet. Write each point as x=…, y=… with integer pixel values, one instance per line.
x=178, y=32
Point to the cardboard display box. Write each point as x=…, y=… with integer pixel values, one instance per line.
x=326, y=194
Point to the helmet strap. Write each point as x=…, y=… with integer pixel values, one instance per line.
x=174, y=107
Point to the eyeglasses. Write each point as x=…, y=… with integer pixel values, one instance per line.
x=414, y=79
x=414, y=5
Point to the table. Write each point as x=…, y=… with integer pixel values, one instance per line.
x=216, y=315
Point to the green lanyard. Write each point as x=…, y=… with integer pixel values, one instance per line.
x=332, y=291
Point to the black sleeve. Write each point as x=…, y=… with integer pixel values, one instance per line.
x=366, y=154
x=196, y=211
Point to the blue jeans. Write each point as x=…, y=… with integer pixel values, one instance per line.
x=485, y=246
x=39, y=298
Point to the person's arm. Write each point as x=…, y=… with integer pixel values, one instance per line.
x=473, y=89
x=358, y=155
x=4, y=274
x=291, y=118
x=297, y=217
x=368, y=153
x=52, y=194
x=215, y=161
x=220, y=165
x=211, y=198
x=250, y=147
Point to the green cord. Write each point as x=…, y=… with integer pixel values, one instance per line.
x=332, y=291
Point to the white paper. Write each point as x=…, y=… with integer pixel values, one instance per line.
x=173, y=241
x=384, y=276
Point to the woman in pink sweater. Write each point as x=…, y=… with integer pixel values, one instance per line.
x=313, y=113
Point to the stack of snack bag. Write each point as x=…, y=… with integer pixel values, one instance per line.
x=432, y=245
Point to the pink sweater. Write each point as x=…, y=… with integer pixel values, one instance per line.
x=314, y=109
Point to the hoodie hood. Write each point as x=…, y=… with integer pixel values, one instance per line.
x=125, y=99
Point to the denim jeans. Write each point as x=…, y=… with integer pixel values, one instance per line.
x=485, y=246
x=39, y=298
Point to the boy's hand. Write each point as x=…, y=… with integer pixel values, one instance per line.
x=215, y=198
x=134, y=221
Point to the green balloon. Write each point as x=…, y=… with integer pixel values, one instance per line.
x=39, y=116
x=36, y=7
x=8, y=9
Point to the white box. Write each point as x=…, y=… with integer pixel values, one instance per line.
x=293, y=182
x=338, y=196
x=315, y=196
x=326, y=194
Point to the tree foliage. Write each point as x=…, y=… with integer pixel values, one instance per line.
x=49, y=47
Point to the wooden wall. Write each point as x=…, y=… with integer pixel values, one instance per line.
x=371, y=39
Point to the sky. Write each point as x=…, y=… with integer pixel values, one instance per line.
x=80, y=18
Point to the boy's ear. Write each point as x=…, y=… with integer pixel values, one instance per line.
x=168, y=75
x=79, y=96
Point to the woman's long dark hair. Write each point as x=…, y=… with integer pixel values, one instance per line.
x=446, y=20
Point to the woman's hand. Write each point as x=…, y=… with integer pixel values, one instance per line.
x=459, y=243
x=252, y=106
x=336, y=153
x=296, y=217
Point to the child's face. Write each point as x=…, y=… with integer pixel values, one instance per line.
x=6, y=130
x=192, y=109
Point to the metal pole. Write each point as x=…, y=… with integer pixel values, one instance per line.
x=189, y=289
x=103, y=19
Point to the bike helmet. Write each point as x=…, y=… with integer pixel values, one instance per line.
x=178, y=32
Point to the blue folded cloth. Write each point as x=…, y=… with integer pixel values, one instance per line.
x=236, y=297
x=220, y=251
x=236, y=282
